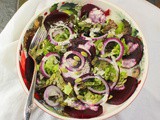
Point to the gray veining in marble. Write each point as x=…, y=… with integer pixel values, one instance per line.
x=7, y=10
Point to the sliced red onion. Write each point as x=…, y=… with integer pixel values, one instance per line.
x=88, y=47
x=55, y=30
x=103, y=81
x=80, y=106
x=70, y=76
x=68, y=63
x=38, y=81
x=97, y=16
x=104, y=92
x=44, y=59
x=52, y=91
x=118, y=42
x=94, y=38
x=119, y=88
x=113, y=62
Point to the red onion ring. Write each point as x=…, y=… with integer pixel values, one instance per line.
x=52, y=30
x=113, y=62
x=86, y=46
x=64, y=60
x=70, y=76
x=118, y=42
x=44, y=59
x=52, y=91
x=104, y=92
x=95, y=38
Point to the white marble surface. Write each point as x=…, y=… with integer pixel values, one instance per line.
x=7, y=10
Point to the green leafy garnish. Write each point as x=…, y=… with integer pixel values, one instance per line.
x=68, y=6
x=68, y=89
x=92, y=97
x=134, y=32
x=54, y=7
x=120, y=28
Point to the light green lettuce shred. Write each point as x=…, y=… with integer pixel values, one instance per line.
x=68, y=89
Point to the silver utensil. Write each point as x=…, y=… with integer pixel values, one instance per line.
x=39, y=36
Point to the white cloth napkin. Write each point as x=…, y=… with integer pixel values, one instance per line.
x=12, y=96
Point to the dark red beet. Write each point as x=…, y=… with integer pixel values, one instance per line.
x=87, y=8
x=79, y=41
x=29, y=67
x=54, y=17
x=120, y=96
x=69, y=79
x=136, y=54
x=88, y=113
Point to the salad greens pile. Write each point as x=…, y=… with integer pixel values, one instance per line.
x=85, y=57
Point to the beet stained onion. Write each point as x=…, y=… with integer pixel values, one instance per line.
x=51, y=94
x=93, y=38
x=113, y=62
x=44, y=59
x=68, y=60
x=57, y=29
x=105, y=92
x=107, y=41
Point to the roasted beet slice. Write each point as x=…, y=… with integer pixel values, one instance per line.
x=29, y=67
x=120, y=96
x=87, y=8
x=69, y=79
x=54, y=17
x=77, y=41
x=135, y=51
x=88, y=113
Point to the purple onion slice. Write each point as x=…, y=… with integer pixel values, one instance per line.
x=52, y=92
x=89, y=48
x=57, y=29
x=94, y=38
x=71, y=76
x=105, y=92
x=68, y=61
x=44, y=59
x=97, y=16
x=120, y=96
x=135, y=52
x=113, y=62
x=107, y=41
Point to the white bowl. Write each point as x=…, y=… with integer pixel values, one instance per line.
x=109, y=110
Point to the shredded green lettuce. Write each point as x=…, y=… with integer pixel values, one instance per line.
x=68, y=89
x=63, y=36
x=92, y=97
x=51, y=65
x=54, y=7
x=120, y=28
x=134, y=32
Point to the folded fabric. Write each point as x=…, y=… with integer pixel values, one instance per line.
x=12, y=96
